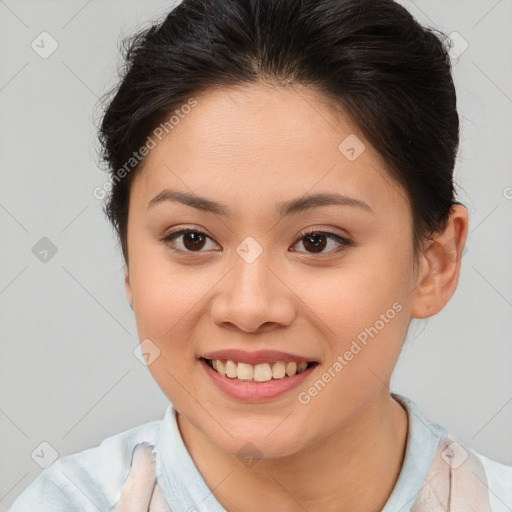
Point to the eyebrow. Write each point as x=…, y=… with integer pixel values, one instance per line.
x=283, y=208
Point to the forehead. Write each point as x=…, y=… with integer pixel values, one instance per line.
x=267, y=142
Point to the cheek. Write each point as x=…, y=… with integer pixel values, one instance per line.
x=166, y=301
x=364, y=321
x=351, y=299
x=363, y=313
x=167, y=309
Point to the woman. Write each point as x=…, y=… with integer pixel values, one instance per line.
x=282, y=188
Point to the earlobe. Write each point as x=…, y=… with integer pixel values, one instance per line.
x=439, y=267
x=128, y=286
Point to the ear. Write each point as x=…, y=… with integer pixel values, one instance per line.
x=439, y=266
x=128, y=286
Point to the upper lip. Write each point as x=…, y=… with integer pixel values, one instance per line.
x=256, y=357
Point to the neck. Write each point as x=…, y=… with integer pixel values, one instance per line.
x=355, y=468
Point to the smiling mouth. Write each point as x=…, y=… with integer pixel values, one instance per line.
x=258, y=373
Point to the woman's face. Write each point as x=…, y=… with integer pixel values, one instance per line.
x=251, y=281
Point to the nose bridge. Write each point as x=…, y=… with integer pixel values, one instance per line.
x=252, y=295
x=252, y=279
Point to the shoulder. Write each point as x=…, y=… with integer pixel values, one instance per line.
x=89, y=480
x=461, y=478
x=445, y=473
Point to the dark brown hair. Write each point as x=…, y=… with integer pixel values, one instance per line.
x=390, y=74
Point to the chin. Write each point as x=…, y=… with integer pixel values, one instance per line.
x=259, y=443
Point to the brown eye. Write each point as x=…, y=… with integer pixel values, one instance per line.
x=193, y=240
x=316, y=241
x=313, y=241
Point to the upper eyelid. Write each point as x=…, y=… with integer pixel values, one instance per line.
x=345, y=240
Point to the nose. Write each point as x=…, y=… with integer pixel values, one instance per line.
x=253, y=297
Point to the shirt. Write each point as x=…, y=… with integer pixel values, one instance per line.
x=438, y=474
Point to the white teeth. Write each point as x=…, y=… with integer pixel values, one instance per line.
x=244, y=371
x=221, y=367
x=262, y=372
x=231, y=369
x=278, y=370
x=291, y=368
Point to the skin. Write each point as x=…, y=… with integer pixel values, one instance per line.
x=250, y=148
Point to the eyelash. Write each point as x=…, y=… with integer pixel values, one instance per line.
x=344, y=242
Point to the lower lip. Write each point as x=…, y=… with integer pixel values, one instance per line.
x=255, y=392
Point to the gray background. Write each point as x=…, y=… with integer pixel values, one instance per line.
x=68, y=373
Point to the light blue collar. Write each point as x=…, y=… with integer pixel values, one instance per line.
x=183, y=486
x=422, y=441
x=185, y=489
